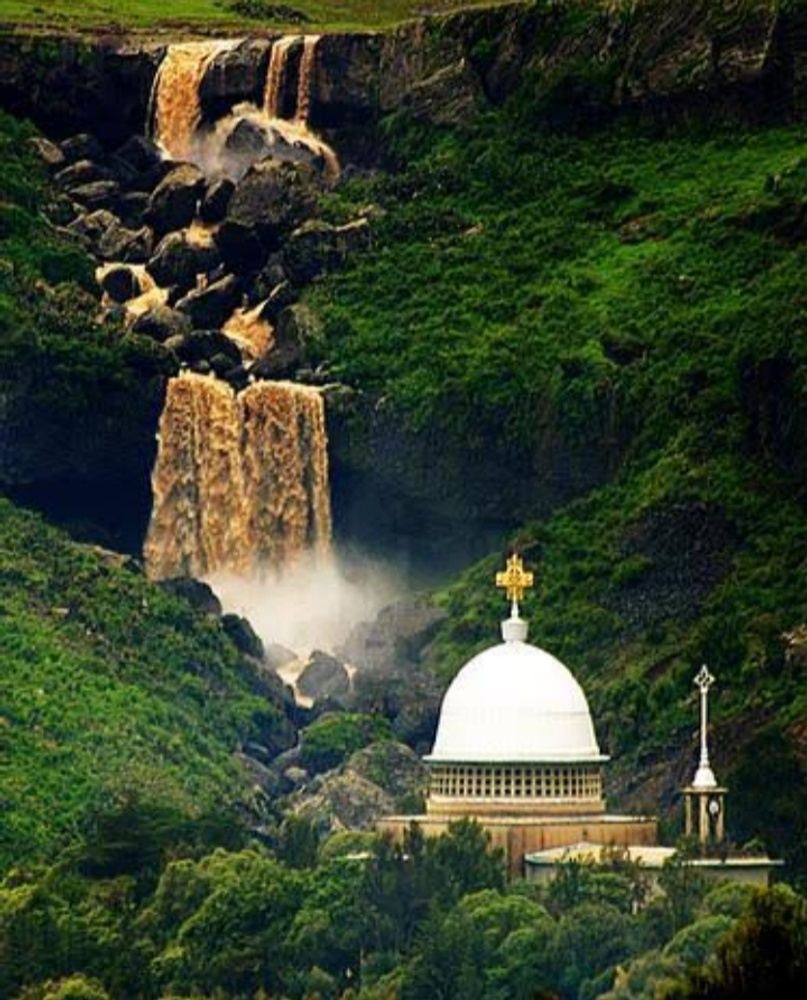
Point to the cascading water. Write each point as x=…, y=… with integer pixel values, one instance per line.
x=241, y=481
x=240, y=485
x=276, y=75
x=305, y=81
x=176, y=104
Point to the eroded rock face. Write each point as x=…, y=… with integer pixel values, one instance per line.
x=234, y=75
x=68, y=85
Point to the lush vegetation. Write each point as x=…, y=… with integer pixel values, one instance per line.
x=112, y=692
x=425, y=919
x=333, y=737
x=639, y=291
x=52, y=345
x=219, y=14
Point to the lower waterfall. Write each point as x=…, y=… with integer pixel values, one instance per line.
x=241, y=481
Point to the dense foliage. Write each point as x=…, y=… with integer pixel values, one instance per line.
x=422, y=920
x=111, y=692
x=51, y=344
x=336, y=735
x=637, y=291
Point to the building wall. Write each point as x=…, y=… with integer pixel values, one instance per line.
x=520, y=835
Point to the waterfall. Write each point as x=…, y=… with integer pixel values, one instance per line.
x=276, y=75
x=175, y=99
x=241, y=481
x=305, y=79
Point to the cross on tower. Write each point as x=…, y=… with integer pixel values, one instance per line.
x=515, y=580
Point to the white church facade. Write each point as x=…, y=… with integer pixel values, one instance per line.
x=516, y=750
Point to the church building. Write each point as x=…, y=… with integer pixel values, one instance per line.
x=516, y=751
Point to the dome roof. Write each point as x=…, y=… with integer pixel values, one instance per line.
x=515, y=702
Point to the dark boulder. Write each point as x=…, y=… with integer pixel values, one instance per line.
x=316, y=247
x=98, y=194
x=277, y=656
x=270, y=276
x=149, y=179
x=140, y=153
x=295, y=325
x=173, y=202
x=133, y=246
x=243, y=636
x=199, y=595
x=240, y=247
x=395, y=639
x=161, y=322
x=93, y=225
x=216, y=200
x=81, y=147
x=202, y=345
x=132, y=208
x=273, y=198
x=120, y=283
x=48, y=152
x=323, y=677
x=248, y=140
x=237, y=376
x=281, y=297
x=213, y=304
x=177, y=261
x=82, y=172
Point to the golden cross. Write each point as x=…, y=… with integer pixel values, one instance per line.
x=515, y=579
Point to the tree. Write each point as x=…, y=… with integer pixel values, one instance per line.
x=298, y=842
x=461, y=861
x=223, y=923
x=765, y=955
x=591, y=937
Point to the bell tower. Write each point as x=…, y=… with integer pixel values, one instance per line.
x=704, y=799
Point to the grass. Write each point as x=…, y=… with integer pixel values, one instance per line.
x=329, y=15
x=108, y=686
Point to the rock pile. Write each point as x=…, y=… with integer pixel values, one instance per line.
x=209, y=267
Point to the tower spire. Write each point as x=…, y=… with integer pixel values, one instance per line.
x=704, y=776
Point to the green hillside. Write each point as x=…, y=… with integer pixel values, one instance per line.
x=218, y=14
x=110, y=691
x=640, y=290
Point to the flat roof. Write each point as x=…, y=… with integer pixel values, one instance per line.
x=649, y=856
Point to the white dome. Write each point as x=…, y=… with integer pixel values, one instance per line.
x=515, y=702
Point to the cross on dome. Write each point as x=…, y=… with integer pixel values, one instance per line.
x=515, y=581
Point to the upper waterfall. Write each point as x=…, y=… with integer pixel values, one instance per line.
x=247, y=132
x=176, y=103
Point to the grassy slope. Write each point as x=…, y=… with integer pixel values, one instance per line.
x=144, y=14
x=522, y=280
x=107, y=686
